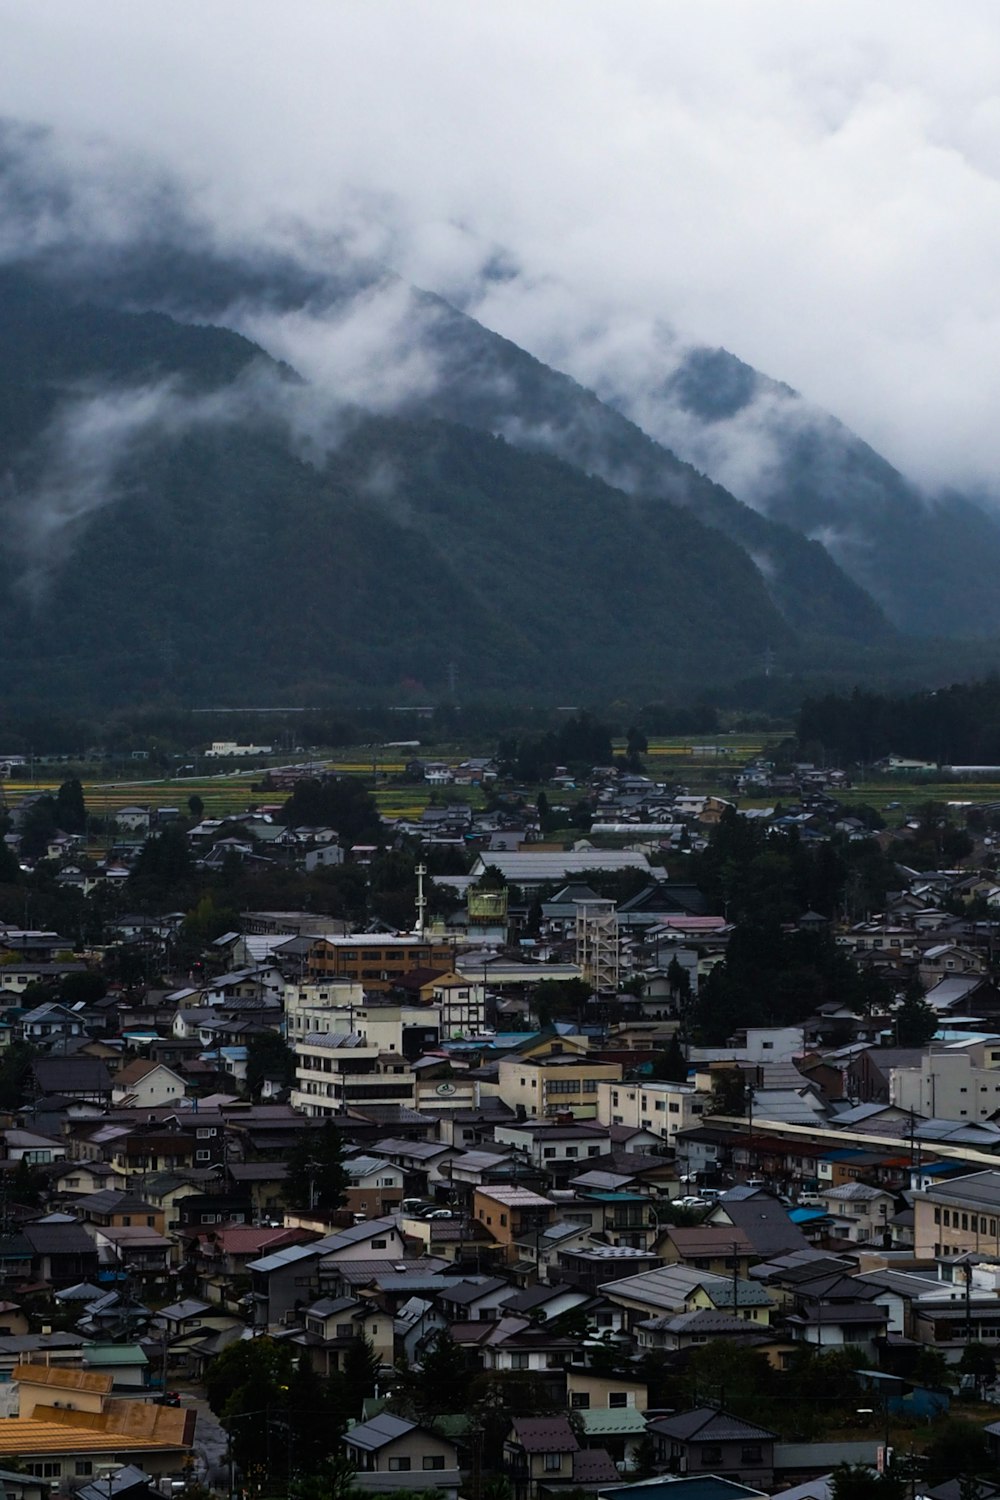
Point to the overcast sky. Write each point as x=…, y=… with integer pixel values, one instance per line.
x=812, y=185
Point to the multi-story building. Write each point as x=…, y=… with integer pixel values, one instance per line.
x=954, y=1083
x=317, y=1007
x=377, y=960
x=554, y=1085
x=664, y=1108
x=334, y=1070
x=461, y=1003
x=958, y=1216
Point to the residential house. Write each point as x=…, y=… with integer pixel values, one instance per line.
x=509, y=1214
x=710, y=1441
x=48, y=1023
x=541, y=1453
x=390, y=1452
x=145, y=1085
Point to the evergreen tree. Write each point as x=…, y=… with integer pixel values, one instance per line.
x=914, y=1022
x=27, y=1187
x=362, y=1368
x=859, y=1482
x=316, y=1176
x=268, y=1056
x=70, y=808
x=670, y=1065
x=441, y=1385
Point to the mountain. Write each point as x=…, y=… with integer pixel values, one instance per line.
x=486, y=382
x=170, y=529
x=931, y=563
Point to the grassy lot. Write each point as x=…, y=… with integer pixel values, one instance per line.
x=911, y=794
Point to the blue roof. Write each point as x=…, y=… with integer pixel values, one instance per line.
x=807, y=1215
x=592, y=1197
x=693, y=1487
x=842, y=1153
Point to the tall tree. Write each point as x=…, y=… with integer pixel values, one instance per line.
x=268, y=1056
x=362, y=1368
x=316, y=1176
x=914, y=1021
x=70, y=808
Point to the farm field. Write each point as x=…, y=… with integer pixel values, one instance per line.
x=701, y=764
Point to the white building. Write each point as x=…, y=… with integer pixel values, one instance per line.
x=336, y=1070
x=664, y=1108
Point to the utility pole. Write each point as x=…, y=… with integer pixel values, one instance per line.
x=736, y=1279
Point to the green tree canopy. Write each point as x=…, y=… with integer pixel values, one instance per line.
x=268, y=1056
x=316, y=1175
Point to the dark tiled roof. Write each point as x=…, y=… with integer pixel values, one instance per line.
x=709, y=1426
x=545, y=1435
x=594, y=1466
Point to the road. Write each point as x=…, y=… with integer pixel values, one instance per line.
x=210, y=1443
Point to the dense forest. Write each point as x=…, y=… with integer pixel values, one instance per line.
x=956, y=725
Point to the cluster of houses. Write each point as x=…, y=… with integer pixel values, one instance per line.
x=523, y=1178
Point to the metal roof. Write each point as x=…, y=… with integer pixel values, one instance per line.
x=383, y=1429
x=280, y=1258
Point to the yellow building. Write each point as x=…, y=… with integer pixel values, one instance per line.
x=555, y=1084
x=958, y=1215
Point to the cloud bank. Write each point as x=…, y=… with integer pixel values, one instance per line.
x=816, y=188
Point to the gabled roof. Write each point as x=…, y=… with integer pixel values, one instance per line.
x=383, y=1429
x=708, y=1425
x=355, y=1234
x=545, y=1435
x=764, y=1222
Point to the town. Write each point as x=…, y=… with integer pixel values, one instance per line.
x=560, y=1127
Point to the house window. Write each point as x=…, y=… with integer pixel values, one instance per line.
x=433, y=1460
x=519, y=1361
x=553, y=1463
x=344, y=1330
x=203, y=1156
x=752, y=1453
x=398, y=1465
x=711, y=1455
x=580, y=1400
x=379, y=1244
x=618, y=1398
x=83, y=1466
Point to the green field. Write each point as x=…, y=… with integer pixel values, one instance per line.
x=703, y=764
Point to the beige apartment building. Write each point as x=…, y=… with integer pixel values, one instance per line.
x=554, y=1085
x=958, y=1216
x=664, y=1108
